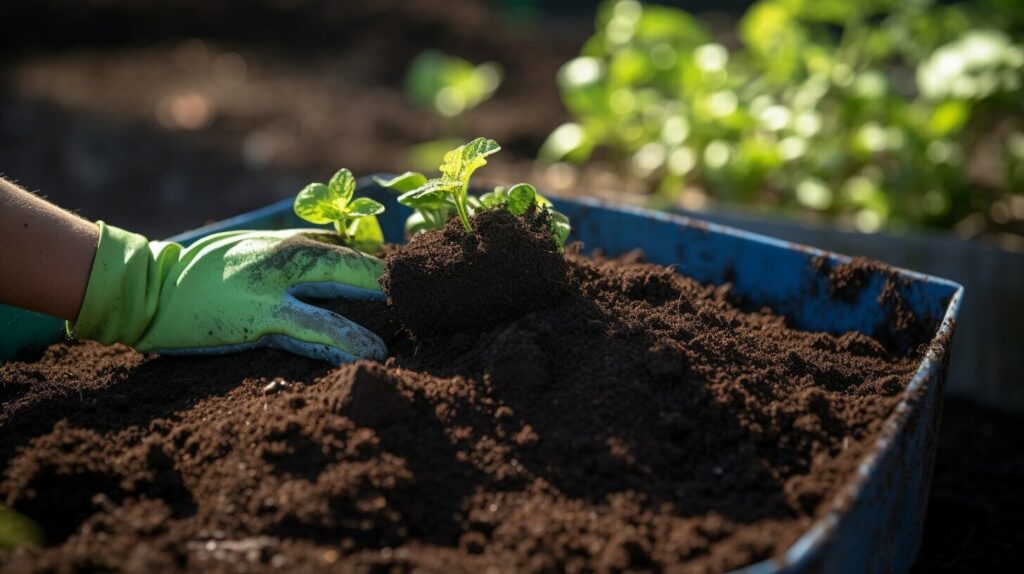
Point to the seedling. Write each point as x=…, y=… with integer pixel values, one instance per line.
x=434, y=200
x=518, y=199
x=456, y=169
x=354, y=219
x=426, y=214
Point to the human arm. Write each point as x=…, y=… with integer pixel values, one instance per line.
x=227, y=292
x=46, y=253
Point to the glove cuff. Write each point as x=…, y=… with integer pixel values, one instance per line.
x=124, y=287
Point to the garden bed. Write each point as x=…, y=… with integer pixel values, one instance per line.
x=633, y=418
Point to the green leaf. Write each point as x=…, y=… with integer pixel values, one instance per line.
x=838, y=12
x=431, y=200
x=560, y=227
x=364, y=206
x=408, y=181
x=366, y=234
x=315, y=204
x=569, y=142
x=665, y=23
x=449, y=84
x=430, y=195
x=422, y=221
x=494, y=198
x=473, y=204
x=460, y=163
x=583, y=83
x=520, y=197
x=342, y=186
x=773, y=35
x=948, y=117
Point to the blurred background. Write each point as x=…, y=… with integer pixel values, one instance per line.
x=867, y=115
x=887, y=128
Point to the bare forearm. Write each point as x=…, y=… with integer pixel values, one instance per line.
x=46, y=254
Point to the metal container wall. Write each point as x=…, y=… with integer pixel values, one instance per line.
x=875, y=524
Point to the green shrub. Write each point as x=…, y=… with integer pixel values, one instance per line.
x=869, y=110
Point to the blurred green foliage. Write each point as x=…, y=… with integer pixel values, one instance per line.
x=18, y=530
x=876, y=111
x=449, y=86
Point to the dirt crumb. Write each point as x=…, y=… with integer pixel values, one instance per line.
x=456, y=281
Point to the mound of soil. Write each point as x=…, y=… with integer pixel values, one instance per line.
x=641, y=421
x=458, y=281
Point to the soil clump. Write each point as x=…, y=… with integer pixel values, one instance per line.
x=460, y=282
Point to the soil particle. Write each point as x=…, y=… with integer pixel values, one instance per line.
x=458, y=281
x=638, y=421
x=846, y=280
x=901, y=329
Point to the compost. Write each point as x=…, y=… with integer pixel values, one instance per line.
x=466, y=282
x=635, y=420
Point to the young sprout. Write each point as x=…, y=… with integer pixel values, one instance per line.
x=354, y=219
x=518, y=199
x=456, y=169
x=433, y=200
x=428, y=212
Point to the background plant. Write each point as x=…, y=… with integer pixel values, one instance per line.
x=449, y=86
x=355, y=220
x=892, y=113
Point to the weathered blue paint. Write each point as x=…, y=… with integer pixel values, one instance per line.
x=875, y=524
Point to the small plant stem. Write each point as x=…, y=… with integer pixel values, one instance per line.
x=460, y=206
x=342, y=230
x=463, y=216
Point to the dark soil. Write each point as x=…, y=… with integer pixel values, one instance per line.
x=900, y=328
x=462, y=282
x=641, y=421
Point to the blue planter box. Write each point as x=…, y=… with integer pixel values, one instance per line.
x=875, y=523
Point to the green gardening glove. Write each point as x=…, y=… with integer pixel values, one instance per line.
x=228, y=292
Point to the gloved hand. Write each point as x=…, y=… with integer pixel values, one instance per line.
x=228, y=292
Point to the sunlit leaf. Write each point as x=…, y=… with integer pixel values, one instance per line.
x=449, y=84
x=422, y=221
x=568, y=142
x=460, y=163
x=407, y=181
x=520, y=197
x=560, y=227
x=948, y=117
x=366, y=234
x=494, y=198
x=342, y=186
x=364, y=206
x=316, y=204
x=770, y=32
x=430, y=195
